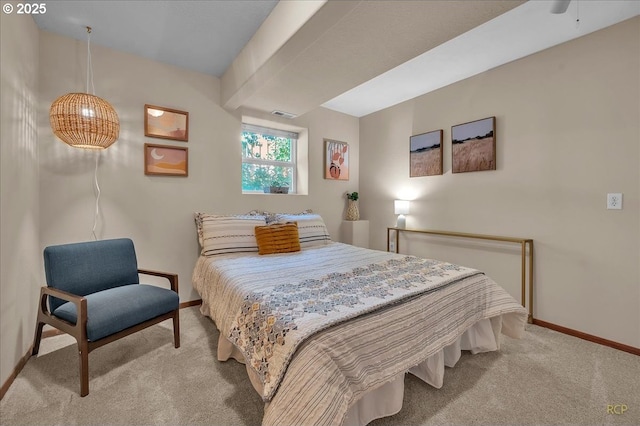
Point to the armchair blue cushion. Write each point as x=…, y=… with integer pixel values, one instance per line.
x=94, y=293
x=119, y=308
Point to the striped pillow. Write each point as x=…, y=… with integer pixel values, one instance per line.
x=311, y=228
x=278, y=238
x=198, y=218
x=228, y=234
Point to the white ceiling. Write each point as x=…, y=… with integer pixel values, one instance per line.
x=517, y=33
x=207, y=36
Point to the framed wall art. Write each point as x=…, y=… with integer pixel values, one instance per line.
x=166, y=123
x=425, y=154
x=473, y=146
x=166, y=160
x=336, y=160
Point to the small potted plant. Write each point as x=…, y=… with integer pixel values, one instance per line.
x=278, y=188
x=352, y=209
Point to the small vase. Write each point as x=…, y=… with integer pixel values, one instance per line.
x=352, y=210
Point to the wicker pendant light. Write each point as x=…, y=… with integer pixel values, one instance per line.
x=83, y=120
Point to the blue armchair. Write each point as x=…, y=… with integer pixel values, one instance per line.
x=95, y=295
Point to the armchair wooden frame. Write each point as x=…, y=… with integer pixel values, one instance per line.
x=79, y=329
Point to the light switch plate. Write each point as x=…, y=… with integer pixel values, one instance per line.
x=614, y=201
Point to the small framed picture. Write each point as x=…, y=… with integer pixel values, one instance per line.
x=166, y=160
x=473, y=146
x=336, y=160
x=166, y=123
x=425, y=154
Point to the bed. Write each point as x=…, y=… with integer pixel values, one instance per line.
x=326, y=330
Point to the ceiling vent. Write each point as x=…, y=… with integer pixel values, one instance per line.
x=283, y=114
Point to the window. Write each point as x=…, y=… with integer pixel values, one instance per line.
x=268, y=158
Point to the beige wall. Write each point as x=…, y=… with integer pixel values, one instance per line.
x=568, y=133
x=157, y=212
x=20, y=265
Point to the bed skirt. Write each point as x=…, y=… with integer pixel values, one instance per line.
x=386, y=400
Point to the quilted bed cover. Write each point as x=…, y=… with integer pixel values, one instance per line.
x=321, y=328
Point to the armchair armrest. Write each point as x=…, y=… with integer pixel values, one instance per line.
x=173, y=278
x=77, y=329
x=60, y=294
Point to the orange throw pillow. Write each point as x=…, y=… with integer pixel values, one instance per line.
x=278, y=238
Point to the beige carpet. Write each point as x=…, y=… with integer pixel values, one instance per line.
x=547, y=378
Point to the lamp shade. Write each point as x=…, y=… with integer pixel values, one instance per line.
x=401, y=206
x=560, y=6
x=84, y=121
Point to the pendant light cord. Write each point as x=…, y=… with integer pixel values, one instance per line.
x=89, y=64
x=95, y=174
x=97, y=212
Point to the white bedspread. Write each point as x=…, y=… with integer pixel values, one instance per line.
x=334, y=368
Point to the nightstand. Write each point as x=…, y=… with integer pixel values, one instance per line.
x=356, y=232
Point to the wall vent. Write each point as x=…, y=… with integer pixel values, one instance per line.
x=283, y=114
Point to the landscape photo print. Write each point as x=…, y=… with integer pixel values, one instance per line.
x=473, y=146
x=425, y=154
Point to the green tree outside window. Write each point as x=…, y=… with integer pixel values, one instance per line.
x=267, y=158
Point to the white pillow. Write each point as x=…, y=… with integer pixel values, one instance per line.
x=228, y=234
x=311, y=228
